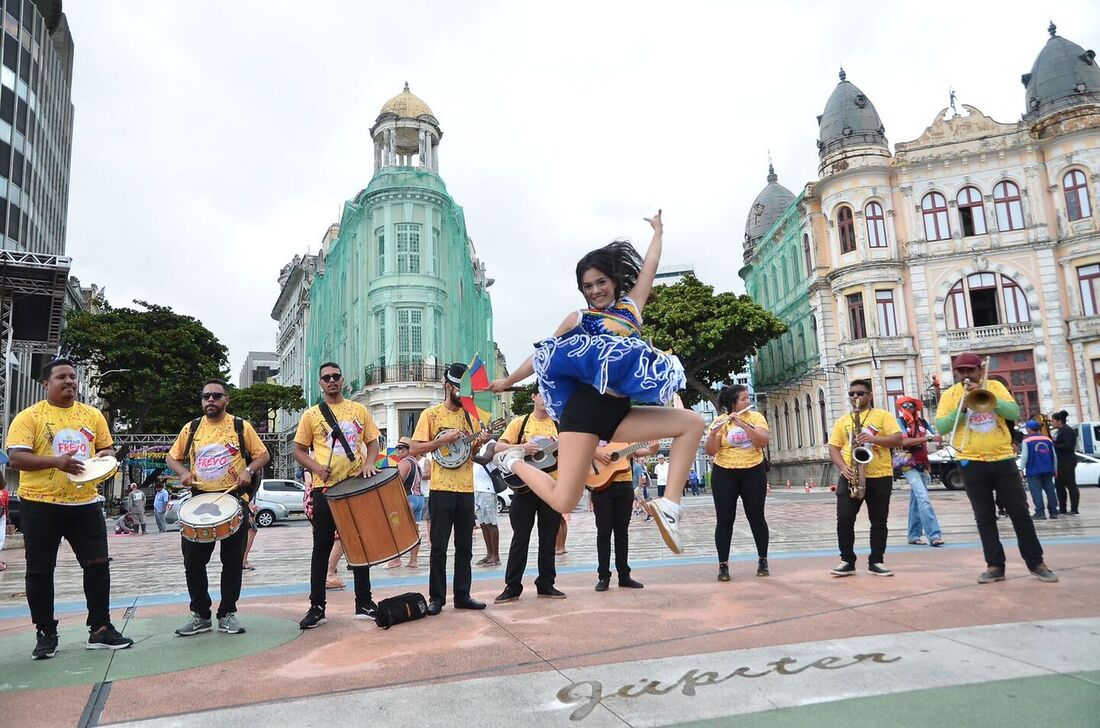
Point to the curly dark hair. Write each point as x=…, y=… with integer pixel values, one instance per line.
x=618, y=260
x=727, y=398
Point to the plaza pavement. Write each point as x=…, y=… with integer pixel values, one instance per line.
x=928, y=646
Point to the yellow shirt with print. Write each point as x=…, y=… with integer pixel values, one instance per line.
x=735, y=449
x=216, y=459
x=433, y=421
x=546, y=427
x=47, y=430
x=356, y=424
x=882, y=465
x=983, y=436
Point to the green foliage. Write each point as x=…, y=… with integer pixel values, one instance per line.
x=258, y=402
x=522, y=403
x=713, y=334
x=169, y=356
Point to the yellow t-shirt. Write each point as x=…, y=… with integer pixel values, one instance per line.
x=546, y=427
x=882, y=465
x=735, y=449
x=358, y=427
x=981, y=436
x=216, y=459
x=433, y=421
x=47, y=430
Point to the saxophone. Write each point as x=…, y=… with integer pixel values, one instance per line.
x=861, y=456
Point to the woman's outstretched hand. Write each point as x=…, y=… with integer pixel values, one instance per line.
x=655, y=222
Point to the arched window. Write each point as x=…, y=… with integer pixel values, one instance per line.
x=787, y=424
x=934, y=209
x=810, y=420
x=876, y=225
x=846, y=228
x=1077, y=195
x=1006, y=201
x=971, y=212
x=985, y=299
x=778, y=432
x=806, y=255
x=823, y=415
x=798, y=420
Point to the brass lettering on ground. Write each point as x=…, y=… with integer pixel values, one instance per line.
x=587, y=694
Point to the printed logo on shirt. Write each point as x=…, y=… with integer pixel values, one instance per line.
x=737, y=437
x=73, y=442
x=212, y=462
x=351, y=431
x=981, y=421
x=88, y=433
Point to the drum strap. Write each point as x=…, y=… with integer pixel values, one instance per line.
x=330, y=418
x=238, y=428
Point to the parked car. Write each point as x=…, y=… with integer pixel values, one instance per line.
x=504, y=500
x=943, y=466
x=290, y=493
x=1088, y=470
x=268, y=514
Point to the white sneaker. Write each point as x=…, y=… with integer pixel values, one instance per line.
x=667, y=516
x=506, y=458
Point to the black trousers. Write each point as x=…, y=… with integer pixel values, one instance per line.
x=1002, y=477
x=751, y=485
x=44, y=525
x=195, y=558
x=324, y=535
x=877, y=498
x=612, y=508
x=1065, y=482
x=451, y=511
x=521, y=514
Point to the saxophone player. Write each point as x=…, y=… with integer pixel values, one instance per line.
x=863, y=431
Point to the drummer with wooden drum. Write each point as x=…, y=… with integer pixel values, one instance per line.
x=344, y=440
x=48, y=442
x=218, y=447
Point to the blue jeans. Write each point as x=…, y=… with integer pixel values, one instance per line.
x=1038, y=485
x=921, y=515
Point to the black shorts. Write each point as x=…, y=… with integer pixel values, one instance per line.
x=594, y=413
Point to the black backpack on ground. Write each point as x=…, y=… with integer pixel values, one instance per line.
x=401, y=608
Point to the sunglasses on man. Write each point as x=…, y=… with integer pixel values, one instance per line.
x=331, y=377
x=853, y=395
x=216, y=396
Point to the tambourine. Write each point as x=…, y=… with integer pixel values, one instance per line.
x=96, y=470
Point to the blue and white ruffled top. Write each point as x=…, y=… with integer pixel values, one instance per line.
x=605, y=350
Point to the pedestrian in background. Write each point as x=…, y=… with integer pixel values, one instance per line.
x=1038, y=461
x=160, y=506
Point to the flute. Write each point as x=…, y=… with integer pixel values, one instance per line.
x=725, y=418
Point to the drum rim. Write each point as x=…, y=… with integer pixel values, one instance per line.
x=392, y=474
x=192, y=499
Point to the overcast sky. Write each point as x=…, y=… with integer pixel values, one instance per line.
x=214, y=140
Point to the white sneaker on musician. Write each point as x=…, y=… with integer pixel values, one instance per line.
x=506, y=458
x=666, y=514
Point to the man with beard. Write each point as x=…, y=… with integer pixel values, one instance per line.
x=452, y=499
x=47, y=442
x=218, y=447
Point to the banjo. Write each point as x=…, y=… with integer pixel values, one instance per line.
x=457, y=453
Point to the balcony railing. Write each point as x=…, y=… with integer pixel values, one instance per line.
x=983, y=333
x=414, y=372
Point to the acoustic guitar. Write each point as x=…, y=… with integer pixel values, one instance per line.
x=545, y=459
x=603, y=475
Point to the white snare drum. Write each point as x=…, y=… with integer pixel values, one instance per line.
x=96, y=470
x=209, y=517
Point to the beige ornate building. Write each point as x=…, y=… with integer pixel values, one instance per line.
x=977, y=236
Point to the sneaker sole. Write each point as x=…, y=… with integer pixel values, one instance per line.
x=315, y=625
x=191, y=634
x=232, y=631
x=991, y=581
x=100, y=646
x=878, y=574
x=47, y=655
x=1046, y=580
x=552, y=596
x=843, y=573
x=498, y=600
x=662, y=527
x=364, y=616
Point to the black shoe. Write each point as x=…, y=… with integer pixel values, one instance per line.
x=551, y=593
x=1075, y=512
x=315, y=617
x=367, y=611
x=723, y=572
x=1063, y=511
x=1043, y=573
x=510, y=594
x=879, y=570
x=992, y=574
x=762, y=568
x=625, y=582
x=435, y=606
x=469, y=603
x=46, y=647
x=602, y=584
x=844, y=568
x=107, y=639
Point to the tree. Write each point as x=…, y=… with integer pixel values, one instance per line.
x=256, y=403
x=522, y=403
x=168, y=358
x=712, y=334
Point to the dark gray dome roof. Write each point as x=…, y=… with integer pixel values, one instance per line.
x=1064, y=75
x=772, y=201
x=849, y=119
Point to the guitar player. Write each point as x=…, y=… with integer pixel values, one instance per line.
x=612, y=505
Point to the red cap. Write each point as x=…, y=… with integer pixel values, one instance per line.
x=967, y=360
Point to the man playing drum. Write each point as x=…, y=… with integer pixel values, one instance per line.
x=452, y=499
x=216, y=453
x=47, y=442
x=330, y=463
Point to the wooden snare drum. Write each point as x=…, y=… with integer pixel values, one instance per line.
x=373, y=518
x=209, y=517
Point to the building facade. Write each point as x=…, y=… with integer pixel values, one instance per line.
x=977, y=236
x=400, y=293
x=291, y=310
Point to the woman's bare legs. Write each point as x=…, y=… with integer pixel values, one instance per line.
x=655, y=423
x=575, y=453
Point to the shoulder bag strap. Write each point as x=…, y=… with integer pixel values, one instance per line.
x=330, y=418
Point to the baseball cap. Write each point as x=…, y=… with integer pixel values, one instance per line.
x=1032, y=425
x=968, y=360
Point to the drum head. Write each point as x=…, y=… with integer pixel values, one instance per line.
x=207, y=509
x=357, y=485
x=96, y=469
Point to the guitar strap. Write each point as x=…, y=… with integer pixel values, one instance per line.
x=523, y=429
